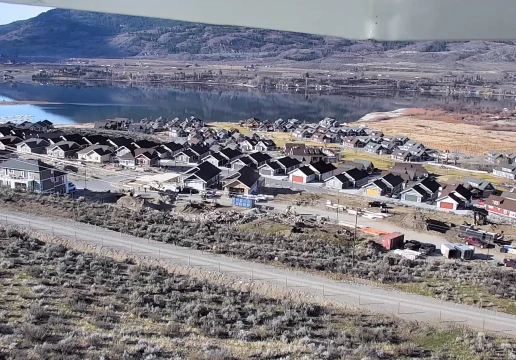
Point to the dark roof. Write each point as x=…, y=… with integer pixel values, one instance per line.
x=148, y=153
x=479, y=183
x=51, y=135
x=8, y=140
x=187, y=152
x=392, y=180
x=96, y=139
x=5, y=130
x=66, y=145
x=322, y=167
x=99, y=149
x=306, y=170
x=145, y=144
x=430, y=184
x=34, y=143
x=341, y=177
x=247, y=176
x=218, y=156
x=380, y=184
x=205, y=171
x=121, y=141
x=230, y=153
x=259, y=157
x=199, y=149
x=172, y=146
x=288, y=162
x=356, y=174
x=29, y=165
x=273, y=165
x=245, y=159
x=459, y=189
x=76, y=138
x=304, y=151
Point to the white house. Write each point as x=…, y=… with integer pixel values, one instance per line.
x=302, y=175
x=323, y=170
x=96, y=154
x=337, y=182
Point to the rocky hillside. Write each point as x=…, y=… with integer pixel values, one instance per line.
x=66, y=33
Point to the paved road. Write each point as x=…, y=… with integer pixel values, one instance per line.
x=408, y=306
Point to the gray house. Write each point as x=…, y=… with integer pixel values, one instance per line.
x=33, y=175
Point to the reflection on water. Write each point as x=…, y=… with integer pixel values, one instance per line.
x=88, y=104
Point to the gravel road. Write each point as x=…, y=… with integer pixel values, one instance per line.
x=407, y=306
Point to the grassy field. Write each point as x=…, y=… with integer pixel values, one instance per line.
x=446, y=174
x=381, y=162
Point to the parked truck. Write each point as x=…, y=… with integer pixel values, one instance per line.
x=465, y=252
x=393, y=240
x=449, y=251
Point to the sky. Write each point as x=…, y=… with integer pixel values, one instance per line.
x=13, y=12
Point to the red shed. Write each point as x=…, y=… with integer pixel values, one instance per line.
x=393, y=241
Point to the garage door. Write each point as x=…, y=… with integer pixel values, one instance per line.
x=373, y=192
x=266, y=172
x=297, y=179
x=445, y=205
x=411, y=198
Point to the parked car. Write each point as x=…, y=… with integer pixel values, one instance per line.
x=427, y=248
x=377, y=204
x=481, y=202
x=71, y=187
x=388, y=195
x=510, y=263
x=475, y=242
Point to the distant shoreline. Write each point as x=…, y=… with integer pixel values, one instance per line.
x=9, y=103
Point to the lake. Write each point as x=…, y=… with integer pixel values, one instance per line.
x=82, y=104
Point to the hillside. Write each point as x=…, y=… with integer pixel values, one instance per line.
x=59, y=34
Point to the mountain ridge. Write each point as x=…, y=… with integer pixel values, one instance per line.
x=59, y=34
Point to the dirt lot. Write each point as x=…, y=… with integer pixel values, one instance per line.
x=443, y=131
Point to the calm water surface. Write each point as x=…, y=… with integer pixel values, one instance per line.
x=87, y=104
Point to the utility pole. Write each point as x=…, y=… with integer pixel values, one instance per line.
x=84, y=177
x=354, y=241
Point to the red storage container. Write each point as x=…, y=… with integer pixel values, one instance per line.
x=393, y=241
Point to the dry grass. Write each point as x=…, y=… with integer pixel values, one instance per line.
x=446, y=174
x=448, y=134
x=381, y=162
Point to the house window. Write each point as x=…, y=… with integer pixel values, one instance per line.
x=496, y=202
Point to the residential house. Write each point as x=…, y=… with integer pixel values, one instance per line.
x=287, y=165
x=63, y=149
x=374, y=148
x=410, y=172
x=25, y=134
x=454, y=197
x=265, y=145
x=258, y=158
x=41, y=126
x=328, y=123
x=203, y=176
x=96, y=139
x=9, y=143
x=245, y=181
x=270, y=169
x=305, y=154
x=173, y=148
x=52, y=137
x=124, y=149
x=162, y=152
x=5, y=131
x=216, y=159
x=241, y=162
x=479, y=188
x=200, y=151
x=505, y=171
x=33, y=146
x=337, y=182
x=389, y=147
x=302, y=133
x=76, y=138
x=356, y=177
x=248, y=145
x=33, y=175
x=495, y=157
x=387, y=184
x=141, y=128
x=119, y=142
x=501, y=207
x=177, y=133
x=186, y=156
x=323, y=170
x=511, y=158
x=401, y=155
x=96, y=153
x=127, y=159
x=145, y=144
x=422, y=191
x=146, y=157
x=302, y=175
x=230, y=154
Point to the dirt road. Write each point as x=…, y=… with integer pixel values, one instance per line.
x=408, y=306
